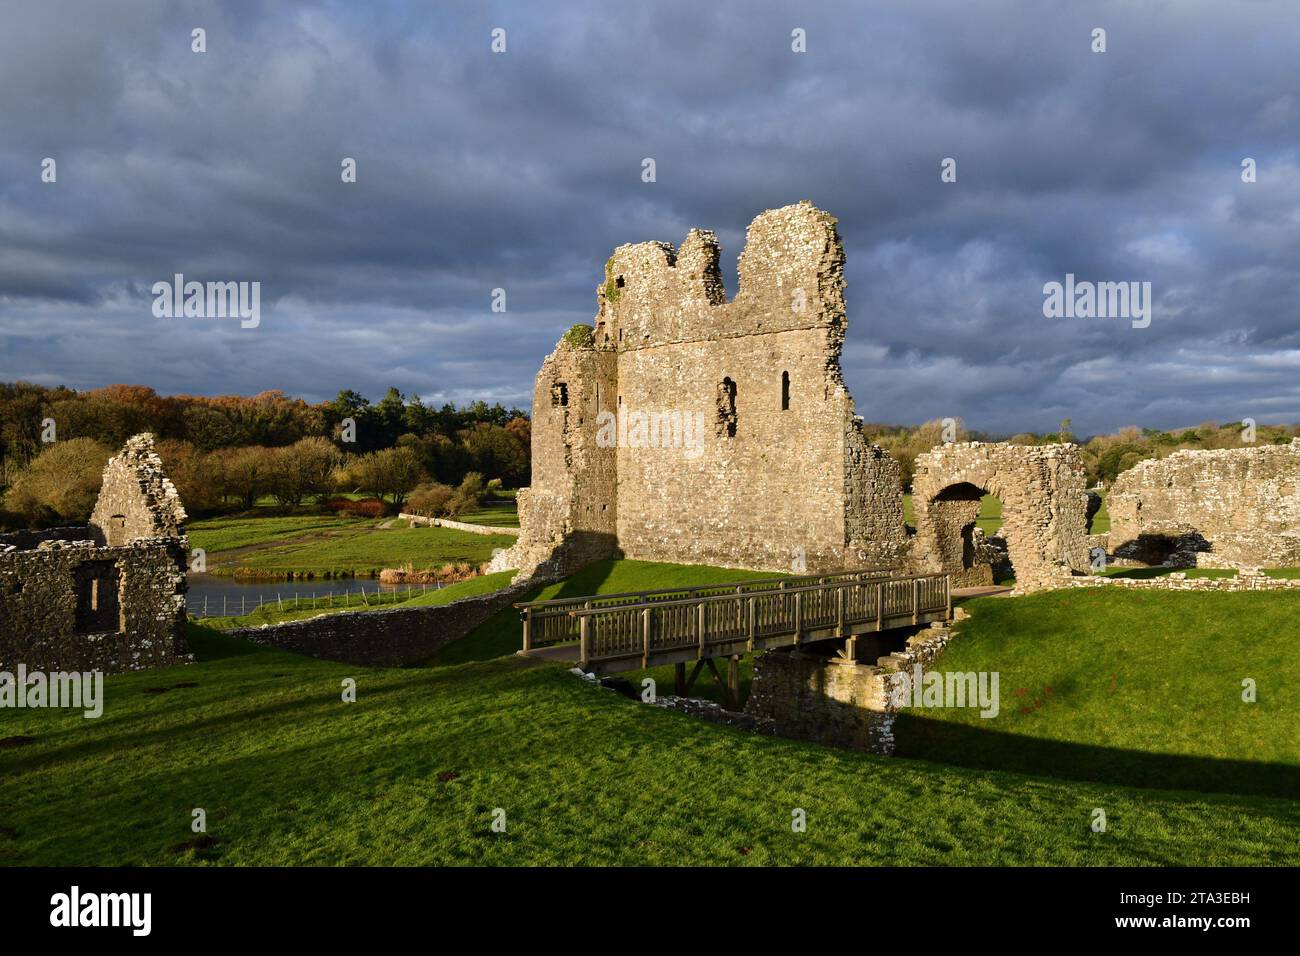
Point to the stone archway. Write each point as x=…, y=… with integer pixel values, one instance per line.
x=1044, y=500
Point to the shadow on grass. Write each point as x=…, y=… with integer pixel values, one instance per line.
x=502, y=633
x=208, y=644
x=964, y=746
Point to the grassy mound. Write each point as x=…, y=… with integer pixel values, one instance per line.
x=412, y=772
x=1136, y=687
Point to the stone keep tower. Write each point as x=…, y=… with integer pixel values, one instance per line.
x=687, y=428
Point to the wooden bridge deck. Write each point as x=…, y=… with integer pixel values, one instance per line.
x=619, y=632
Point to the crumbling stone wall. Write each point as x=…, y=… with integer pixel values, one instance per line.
x=568, y=516
x=779, y=476
x=830, y=701
x=1044, y=504
x=108, y=597
x=136, y=499
x=1237, y=507
x=388, y=637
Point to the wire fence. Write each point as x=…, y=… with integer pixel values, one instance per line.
x=227, y=606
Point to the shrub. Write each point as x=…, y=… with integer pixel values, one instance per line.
x=60, y=484
x=430, y=499
x=469, y=495
x=365, y=508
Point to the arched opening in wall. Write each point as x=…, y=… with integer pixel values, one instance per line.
x=968, y=523
x=785, y=391
x=726, y=423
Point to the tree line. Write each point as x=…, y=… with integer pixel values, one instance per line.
x=226, y=453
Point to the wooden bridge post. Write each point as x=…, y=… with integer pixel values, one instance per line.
x=947, y=587
x=798, y=615
x=916, y=599
x=583, y=648
x=731, y=690
x=645, y=638
x=753, y=623
x=699, y=627
x=839, y=612
x=528, y=629
x=880, y=606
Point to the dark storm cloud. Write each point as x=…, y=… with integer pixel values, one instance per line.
x=522, y=171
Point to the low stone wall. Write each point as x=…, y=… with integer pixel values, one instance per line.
x=1101, y=540
x=459, y=525
x=1247, y=579
x=392, y=637
x=832, y=702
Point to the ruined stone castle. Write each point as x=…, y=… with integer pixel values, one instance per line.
x=684, y=427
x=109, y=596
x=687, y=428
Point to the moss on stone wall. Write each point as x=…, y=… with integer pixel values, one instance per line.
x=580, y=337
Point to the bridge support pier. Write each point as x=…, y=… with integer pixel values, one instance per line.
x=730, y=684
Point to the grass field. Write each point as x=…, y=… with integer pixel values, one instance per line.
x=215, y=535
x=412, y=772
x=1138, y=687
x=315, y=544
x=502, y=514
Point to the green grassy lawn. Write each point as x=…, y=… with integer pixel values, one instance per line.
x=503, y=633
x=271, y=614
x=1138, y=687
x=1101, y=520
x=371, y=549
x=411, y=773
x=318, y=544
x=502, y=514
x=222, y=534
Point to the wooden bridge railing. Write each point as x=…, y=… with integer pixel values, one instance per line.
x=743, y=620
x=550, y=622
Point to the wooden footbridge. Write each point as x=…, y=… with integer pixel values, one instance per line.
x=608, y=633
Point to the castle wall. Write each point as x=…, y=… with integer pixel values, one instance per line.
x=758, y=498
x=734, y=441
x=1044, y=505
x=1236, y=507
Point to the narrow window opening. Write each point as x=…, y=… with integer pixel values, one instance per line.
x=785, y=391
x=726, y=423
x=97, y=603
x=560, y=395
